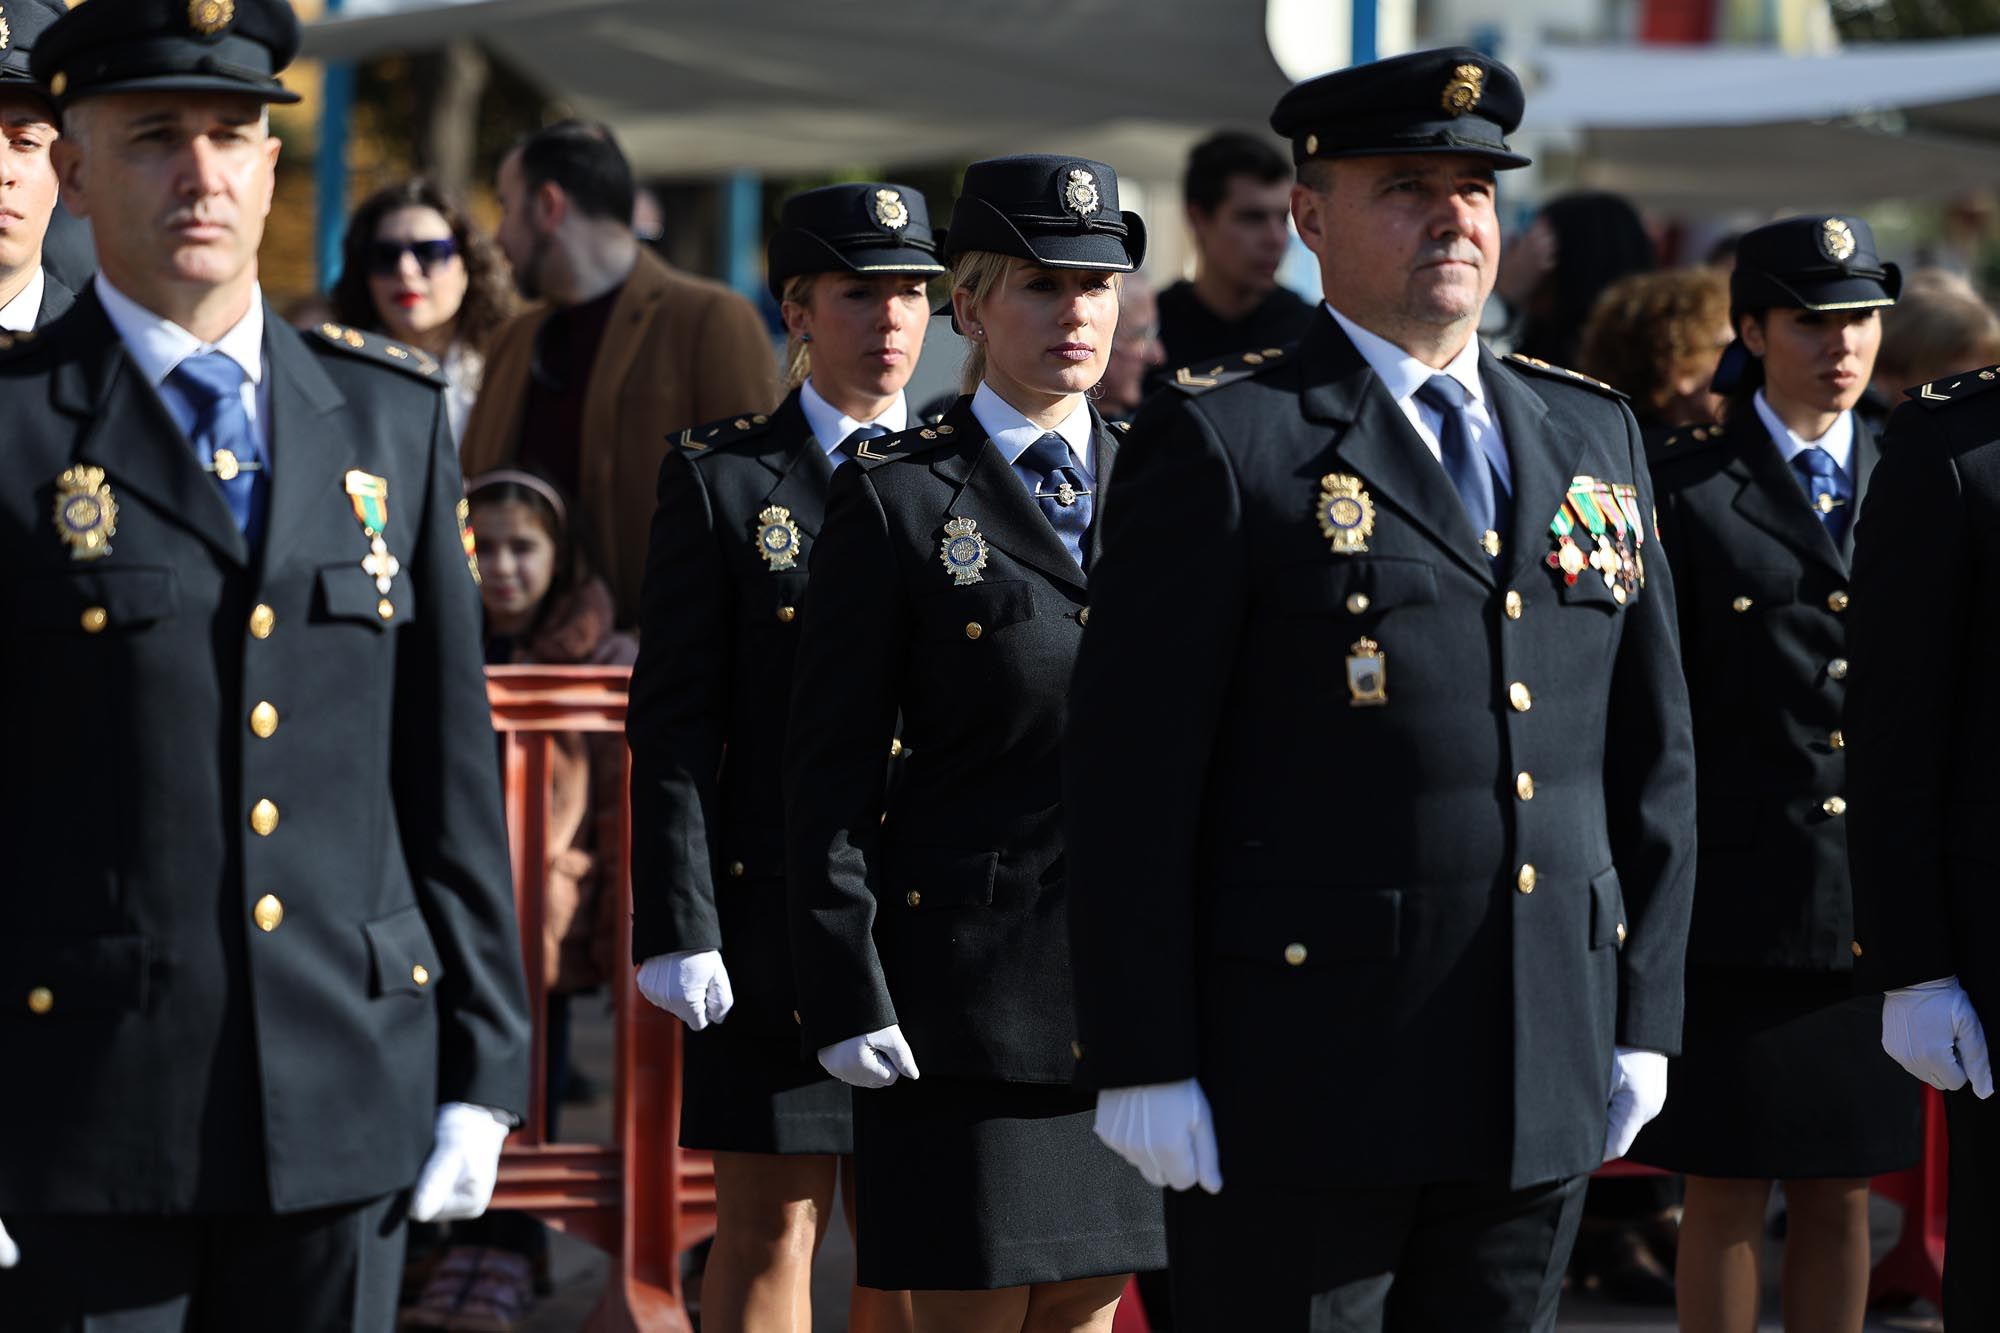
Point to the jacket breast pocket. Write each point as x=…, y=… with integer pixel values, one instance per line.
x=1591, y=590
x=1753, y=592
x=1308, y=926
x=1607, y=911
x=46, y=977
x=1363, y=589
x=930, y=879
x=347, y=592
x=97, y=601
x=401, y=954
x=977, y=610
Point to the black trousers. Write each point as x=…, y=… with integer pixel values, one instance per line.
x=331, y=1270
x=1972, y=1220
x=1443, y=1258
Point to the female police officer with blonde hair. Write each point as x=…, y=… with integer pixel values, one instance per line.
x=741, y=504
x=930, y=927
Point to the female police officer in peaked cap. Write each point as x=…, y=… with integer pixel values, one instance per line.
x=930, y=928
x=1782, y=1075
x=741, y=506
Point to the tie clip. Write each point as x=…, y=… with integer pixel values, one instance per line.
x=1064, y=495
x=225, y=465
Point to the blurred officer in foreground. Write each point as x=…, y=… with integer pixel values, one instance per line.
x=1379, y=785
x=29, y=295
x=742, y=503
x=262, y=964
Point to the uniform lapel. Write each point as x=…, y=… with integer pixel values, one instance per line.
x=1374, y=439
x=1771, y=496
x=1543, y=449
x=1861, y=464
x=804, y=475
x=130, y=435
x=307, y=460
x=991, y=495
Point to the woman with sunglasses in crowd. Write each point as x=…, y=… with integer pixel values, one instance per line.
x=413, y=268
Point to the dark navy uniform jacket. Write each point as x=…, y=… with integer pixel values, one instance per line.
x=1395, y=937
x=1761, y=588
x=259, y=922
x=942, y=908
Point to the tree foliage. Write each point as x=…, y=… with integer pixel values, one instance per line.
x=1895, y=20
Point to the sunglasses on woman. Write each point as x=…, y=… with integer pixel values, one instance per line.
x=386, y=257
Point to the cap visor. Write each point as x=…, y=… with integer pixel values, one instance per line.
x=187, y=83
x=1092, y=250
x=1501, y=158
x=1842, y=293
x=894, y=259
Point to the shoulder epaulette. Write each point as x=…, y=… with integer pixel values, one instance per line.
x=1685, y=440
x=1206, y=375
x=716, y=434
x=903, y=444
x=1939, y=392
x=382, y=351
x=1122, y=427
x=1540, y=367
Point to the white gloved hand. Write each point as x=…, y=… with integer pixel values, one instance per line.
x=1638, y=1091
x=873, y=1060
x=10, y=1253
x=457, y=1181
x=1164, y=1129
x=693, y=986
x=1933, y=1031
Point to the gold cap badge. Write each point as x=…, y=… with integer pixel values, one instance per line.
x=209, y=17
x=891, y=211
x=1468, y=84
x=6, y=33
x=1080, y=193
x=1836, y=240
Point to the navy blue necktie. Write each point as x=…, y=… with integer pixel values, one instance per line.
x=224, y=443
x=1826, y=489
x=845, y=449
x=1472, y=475
x=1061, y=491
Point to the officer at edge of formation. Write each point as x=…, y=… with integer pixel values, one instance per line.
x=262, y=957
x=30, y=295
x=1429, y=779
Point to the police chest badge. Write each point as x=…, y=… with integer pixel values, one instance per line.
x=1367, y=675
x=778, y=538
x=963, y=552
x=1346, y=514
x=86, y=515
x=369, y=495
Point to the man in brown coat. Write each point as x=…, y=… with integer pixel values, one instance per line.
x=587, y=388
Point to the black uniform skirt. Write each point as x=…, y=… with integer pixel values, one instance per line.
x=975, y=1186
x=749, y=1091
x=1783, y=1076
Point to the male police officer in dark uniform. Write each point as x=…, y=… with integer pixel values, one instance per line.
x=1379, y=779
x=30, y=295
x=261, y=970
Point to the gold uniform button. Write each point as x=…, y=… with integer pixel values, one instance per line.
x=1513, y=605
x=1083, y=616
x=95, y=618
x=913, y=898
x=1295, y=954
x=974, y=629
x=1518, y=696
x=262, y=621
x=421, y=975
x=736, y=870
x=40, y=1000
x=1837, y=600
x=263, y=721
x=1525, y=881
x=1524, y=785
x=263, y=818
x=1621, y=932
x=267, y=913
x=1854, y=946
x=787, y=614
x=1741, y=605
x=1837, y=669
x=1836, y=740
x=895, y=748
x=1834, y=806
x=1357, y=603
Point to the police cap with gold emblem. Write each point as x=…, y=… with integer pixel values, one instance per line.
x=22, y=22
x=866, y=227
x=1452, y=100
x=1812, y=263
x=1058, y=211
x=129, y=46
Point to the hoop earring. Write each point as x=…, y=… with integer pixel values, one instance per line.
x=805, y=337
x=1095, y=391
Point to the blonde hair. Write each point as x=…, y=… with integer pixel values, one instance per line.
x=798, y=352
x=977, y=273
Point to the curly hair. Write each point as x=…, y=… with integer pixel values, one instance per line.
x=1648, y=326
x=489, y=288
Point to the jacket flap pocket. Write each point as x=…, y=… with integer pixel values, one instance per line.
x=401, y=952
x=991, y=604
x=346, y=592
x=1765, y=588
x=1306, y=927
x=927, y=877
x=1607, y=911
x=1352, y=586
x=127, y=595
x=1590, y=589
x=49, y=976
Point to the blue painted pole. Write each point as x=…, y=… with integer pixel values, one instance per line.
x=330, y=165
x=742, y=202
x=1362, y=45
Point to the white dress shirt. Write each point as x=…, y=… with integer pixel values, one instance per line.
x=1402, y=375
x=830, y=425
x=1012, y=433
x=157, y=345
x=1838, y=442
x=19, y=314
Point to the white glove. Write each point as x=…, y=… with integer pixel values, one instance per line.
x=457, y=1182
x=1638, y=1091
x=1164, y=1129
x=1933, y=1031
x=874, y=1060
x=693, y=986
x=10, y=1253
